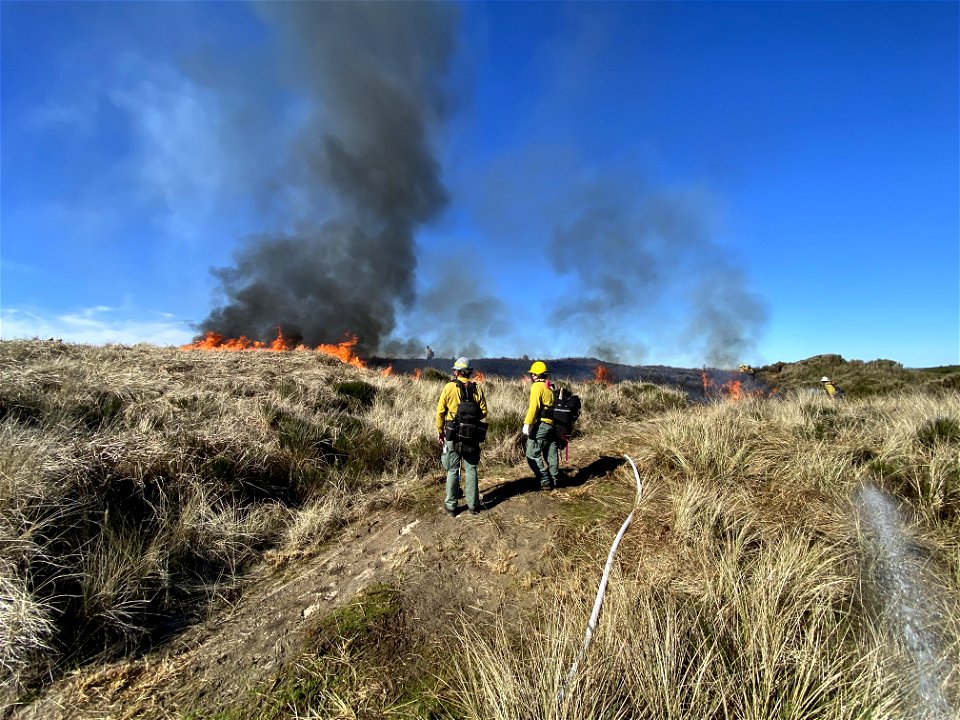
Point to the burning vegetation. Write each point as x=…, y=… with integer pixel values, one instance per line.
x=214, y=341
x=733, y=387
x=601, y=376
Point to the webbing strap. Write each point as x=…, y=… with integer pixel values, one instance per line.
x=470, y=388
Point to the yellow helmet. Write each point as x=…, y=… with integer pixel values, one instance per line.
x=538, y=368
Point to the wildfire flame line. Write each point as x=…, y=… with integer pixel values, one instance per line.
x=215, y=342
x=731, y=390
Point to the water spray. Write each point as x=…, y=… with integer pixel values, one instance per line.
x=905, y=599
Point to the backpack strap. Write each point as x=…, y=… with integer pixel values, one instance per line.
x=470, y=388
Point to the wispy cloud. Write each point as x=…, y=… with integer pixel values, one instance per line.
x=180, y=160
x=95, y=326
x=75, y=113
x=11, y=266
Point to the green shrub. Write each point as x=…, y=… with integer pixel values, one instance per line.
x=304, y=438
x=500, y=427
x=204, y=405
x=939, y=430
x=434, y=375
x=220, y=468
x=824, y=421
x=355, y=394
x=308, y=481
x=500, y=446
x=422, y=454
x=642, y=399
x=271, y=414
x=364, y=451
x=949, y=383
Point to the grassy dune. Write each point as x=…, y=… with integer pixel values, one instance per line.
x=139, y=485
x=751, y=591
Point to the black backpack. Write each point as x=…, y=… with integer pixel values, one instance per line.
x=566, y=411
x=471, y=429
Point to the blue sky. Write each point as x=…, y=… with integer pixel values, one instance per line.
x=651, y=182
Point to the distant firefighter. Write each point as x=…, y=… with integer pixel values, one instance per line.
x=746, y=369
x=834, y=391
x=429, y=353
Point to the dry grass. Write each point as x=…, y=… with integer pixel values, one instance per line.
x=136, y=484
x=760, y=599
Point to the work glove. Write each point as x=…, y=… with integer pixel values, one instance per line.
x=526, y=430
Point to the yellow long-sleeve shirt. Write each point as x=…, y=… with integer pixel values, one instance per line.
x=450, y=399
x=541, y=397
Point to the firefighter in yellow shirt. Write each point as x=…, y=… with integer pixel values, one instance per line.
x=455, y=449
x=833, y=391
x=543, y=450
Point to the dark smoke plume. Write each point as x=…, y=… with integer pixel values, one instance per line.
x=374, y=77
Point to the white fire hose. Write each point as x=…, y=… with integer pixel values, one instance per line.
x=592, y=625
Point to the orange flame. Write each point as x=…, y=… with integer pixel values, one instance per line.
x=280, y=342
x=707, y=381
x=343, y=351
x=416, y=374
x=733, y=389
x=600, y=375
x=479, y=376
x=216, y=342
x=387, y=371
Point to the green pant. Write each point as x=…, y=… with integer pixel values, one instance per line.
x=543, y=454
x=453, y=454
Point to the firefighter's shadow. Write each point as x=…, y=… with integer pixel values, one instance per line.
x=600, y=467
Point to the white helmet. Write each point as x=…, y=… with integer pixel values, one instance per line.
x=461, y=363
x=824, y=379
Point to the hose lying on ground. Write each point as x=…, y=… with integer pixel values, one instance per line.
x=592, y=625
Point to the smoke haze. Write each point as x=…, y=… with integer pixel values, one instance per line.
x=645, y=263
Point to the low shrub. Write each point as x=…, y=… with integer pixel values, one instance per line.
x=433, y=375
x=423, y=453
x=355, y=394
x=304, y=439
x=503, y=434
x=939, y=430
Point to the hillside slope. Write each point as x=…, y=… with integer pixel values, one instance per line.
x=485, y=566
x=254, y=535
